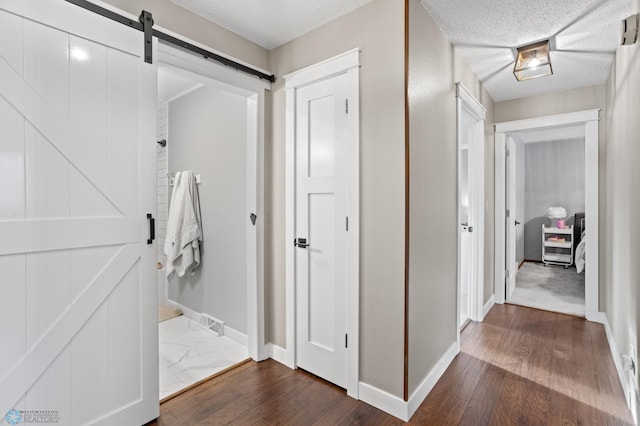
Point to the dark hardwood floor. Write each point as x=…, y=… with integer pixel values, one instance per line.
x=521, y=366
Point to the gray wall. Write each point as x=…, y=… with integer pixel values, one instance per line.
x=519, y=214
x=551, y=103
x=432, y=299
x=378, y=29
x=208, y=134
x=554, y=176
x=621, y=240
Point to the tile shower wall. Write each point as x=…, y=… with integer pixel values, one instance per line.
x=162, y=191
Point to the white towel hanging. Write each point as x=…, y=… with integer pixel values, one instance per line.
x=172, y=178
x=184, y=226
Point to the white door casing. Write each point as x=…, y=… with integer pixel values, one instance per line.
x=470, y=137
x=322, y=201
x=77, y=119
x=589, y=119
x=510, y=229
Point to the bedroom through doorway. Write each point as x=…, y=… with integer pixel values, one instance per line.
x=546, y=175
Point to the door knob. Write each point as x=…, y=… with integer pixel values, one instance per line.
x=300, y=242
x=517, y=223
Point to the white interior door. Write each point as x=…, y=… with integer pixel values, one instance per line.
x=79, y=335
x=321, y=210
x=512, y=265
x=466, y=259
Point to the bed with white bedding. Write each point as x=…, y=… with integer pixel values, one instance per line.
x=579, y=239
x=580, y=253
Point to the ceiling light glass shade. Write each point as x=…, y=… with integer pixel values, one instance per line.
x=533, y=61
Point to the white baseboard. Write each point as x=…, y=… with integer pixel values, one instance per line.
x=487, y=306
x=383, y=400
x=627, y=387
x=189, y=313
x=397, y=406
x=228, y=331
x=278, y=353
x=430, y=381
x=235, y=335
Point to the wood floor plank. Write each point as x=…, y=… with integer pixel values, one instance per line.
x=610, y=389
x=340, y=413
x=520, y=366
x=506, y=410
x=273, y=404
x=535, y=405
x=484, y=398
x=319, y=398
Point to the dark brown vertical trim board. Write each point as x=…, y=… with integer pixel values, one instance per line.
x=406, y=197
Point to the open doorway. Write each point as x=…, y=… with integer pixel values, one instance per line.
x=546, y=198
x=208, y=124
x=583, y=124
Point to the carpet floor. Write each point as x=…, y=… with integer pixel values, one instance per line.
x=550, y=287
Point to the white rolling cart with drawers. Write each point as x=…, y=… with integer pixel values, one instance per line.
x=557, y=246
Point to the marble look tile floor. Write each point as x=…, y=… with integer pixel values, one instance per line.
x=189, y=353
x=552, y=288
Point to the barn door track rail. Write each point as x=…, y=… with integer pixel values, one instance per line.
x=145, y=25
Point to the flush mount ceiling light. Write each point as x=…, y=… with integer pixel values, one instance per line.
x=533, y=61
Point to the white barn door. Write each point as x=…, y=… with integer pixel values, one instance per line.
x=78, y=328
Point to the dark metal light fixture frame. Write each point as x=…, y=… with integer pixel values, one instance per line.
x=533, y=61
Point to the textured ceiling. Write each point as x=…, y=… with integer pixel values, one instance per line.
x=270, y=23
x=584, y=35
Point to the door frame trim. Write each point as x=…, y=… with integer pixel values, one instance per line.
x=588, y=118
x=467, y=102
x=254, y=90
x=346, y=63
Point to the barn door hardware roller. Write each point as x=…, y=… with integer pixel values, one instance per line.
x=145, y=24
x=146, y=19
